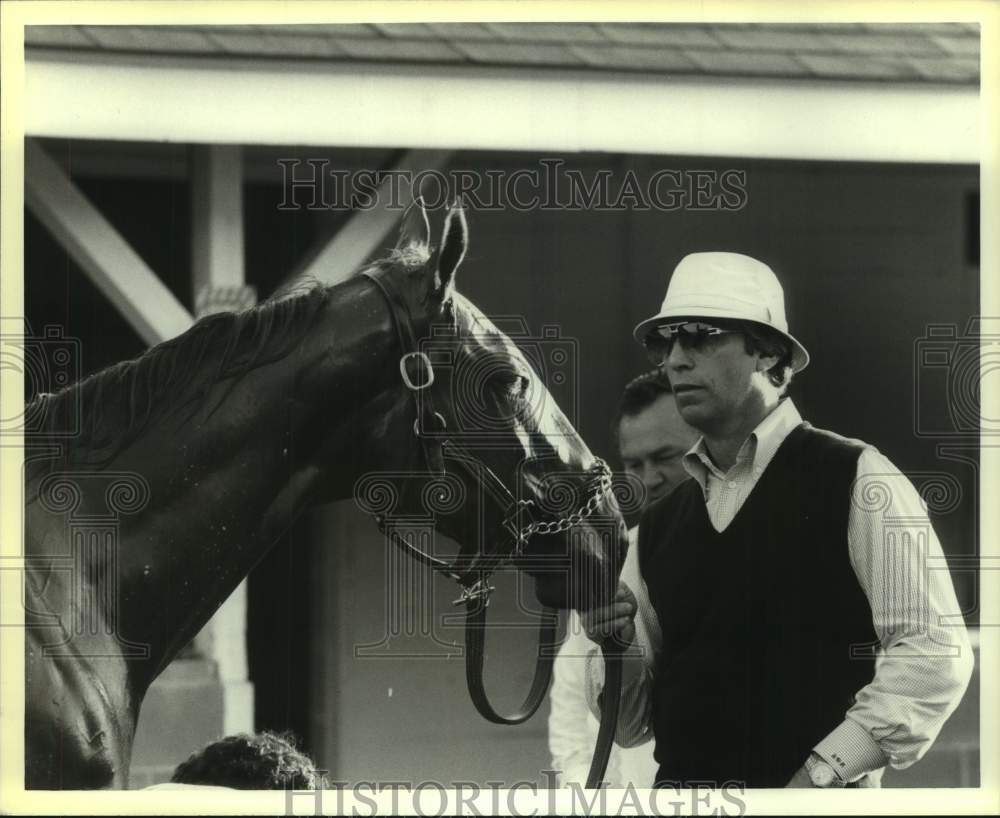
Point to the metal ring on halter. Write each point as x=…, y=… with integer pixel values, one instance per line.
x=438, y=418
x=422, y=357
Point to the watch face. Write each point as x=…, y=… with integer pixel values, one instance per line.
x=822, y=775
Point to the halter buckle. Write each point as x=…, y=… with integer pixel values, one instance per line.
x=480, y=589
x=428, y=368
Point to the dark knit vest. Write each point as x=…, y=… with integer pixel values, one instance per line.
x=767, y=636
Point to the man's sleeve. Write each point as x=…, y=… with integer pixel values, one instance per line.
x=634, y=715
x=572, y=729
x=925, y=659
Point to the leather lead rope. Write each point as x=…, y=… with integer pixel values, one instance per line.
x=475, y=638
x=610, y=702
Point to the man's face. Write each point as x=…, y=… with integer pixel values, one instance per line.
x=716, y=384
x=651, y=445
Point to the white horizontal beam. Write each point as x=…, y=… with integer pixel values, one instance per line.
x=291, y=103
x=93, y=243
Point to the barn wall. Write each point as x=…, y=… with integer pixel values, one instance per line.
x=869, y=256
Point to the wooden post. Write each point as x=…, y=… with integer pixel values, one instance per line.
x=220, y=285
x=205, y=693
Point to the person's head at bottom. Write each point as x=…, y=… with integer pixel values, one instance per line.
x=259, y=761
x=652, y=436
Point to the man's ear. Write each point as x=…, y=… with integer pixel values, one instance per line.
x=765, y=362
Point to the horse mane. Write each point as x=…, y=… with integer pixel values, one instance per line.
x=106, y=411
x=103, y=413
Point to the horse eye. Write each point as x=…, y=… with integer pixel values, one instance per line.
x=519, y=386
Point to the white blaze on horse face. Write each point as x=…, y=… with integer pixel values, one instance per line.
x=542, y=423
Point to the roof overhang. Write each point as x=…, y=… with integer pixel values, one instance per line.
x=201, y=100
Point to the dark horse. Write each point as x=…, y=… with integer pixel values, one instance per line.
x=185, y=465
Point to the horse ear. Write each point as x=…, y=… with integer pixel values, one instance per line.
x=454, y=242
x=415, y=229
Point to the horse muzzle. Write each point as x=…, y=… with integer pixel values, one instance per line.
x=579, y=568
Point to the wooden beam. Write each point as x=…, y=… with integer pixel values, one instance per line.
x=217, y=249
x=337, y=258
x=93, y=243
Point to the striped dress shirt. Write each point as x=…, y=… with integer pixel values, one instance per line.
x=924, y=661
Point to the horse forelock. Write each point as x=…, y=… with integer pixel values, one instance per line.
x=105, y=411
x=411, y=259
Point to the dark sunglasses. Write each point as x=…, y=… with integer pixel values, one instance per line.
x=691, y=334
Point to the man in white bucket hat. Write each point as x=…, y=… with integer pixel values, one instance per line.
x=792, y=641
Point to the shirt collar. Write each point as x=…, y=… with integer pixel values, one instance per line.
x=757, y=450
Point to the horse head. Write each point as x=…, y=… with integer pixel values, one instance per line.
x=223, y=435
x=508, y=477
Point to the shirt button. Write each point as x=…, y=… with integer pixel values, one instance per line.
x=732, y=484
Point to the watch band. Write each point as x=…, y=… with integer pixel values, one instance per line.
x=822, y=774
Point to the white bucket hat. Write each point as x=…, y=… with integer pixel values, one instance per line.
x=725, y=285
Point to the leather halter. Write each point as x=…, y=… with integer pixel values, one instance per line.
x=430, y=428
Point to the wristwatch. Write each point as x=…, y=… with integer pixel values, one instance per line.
x=822, y=774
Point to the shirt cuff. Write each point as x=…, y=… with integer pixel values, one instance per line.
x=633, y=671
x=851, y=751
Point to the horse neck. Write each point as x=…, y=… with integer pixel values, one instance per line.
x=232, y=479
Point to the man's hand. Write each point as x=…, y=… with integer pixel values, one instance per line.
x=616, y=619
x=800, y=779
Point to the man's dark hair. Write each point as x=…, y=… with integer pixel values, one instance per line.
x=639, y=394
x=262, y=761
x=766, y=341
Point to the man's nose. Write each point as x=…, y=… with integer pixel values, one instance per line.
x=678, y=358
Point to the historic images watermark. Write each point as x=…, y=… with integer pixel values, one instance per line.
x=491, y=392
x=949, y=367
x=519, y=798
x=89, y=504
x=48, y=361
x=315, y=184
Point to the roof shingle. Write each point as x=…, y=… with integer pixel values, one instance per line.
x=621, y=58
x=855, y=67
x=745, y=62
x=407, y=50
x=269, y=44
x=653, y=34
x=772, y=39
x=149, y=38
x=872, y=43
x=518, y=53
x=546, y=32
